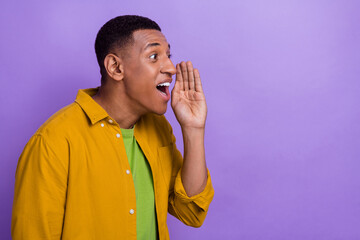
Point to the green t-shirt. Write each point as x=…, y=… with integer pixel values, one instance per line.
x=146, y=224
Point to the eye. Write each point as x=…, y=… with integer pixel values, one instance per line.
x=153, y=56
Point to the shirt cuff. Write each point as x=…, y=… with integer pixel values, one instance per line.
x=202, y=199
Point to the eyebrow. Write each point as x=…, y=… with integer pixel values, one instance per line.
x=154, y=45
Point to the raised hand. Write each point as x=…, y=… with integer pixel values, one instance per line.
x=187, y=97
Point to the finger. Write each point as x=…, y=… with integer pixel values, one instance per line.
x=176, y=87
x=185, y=76
x=190, y=75
x=175, y=93
x=198, y=84
x=179, y=78
x=178, y=81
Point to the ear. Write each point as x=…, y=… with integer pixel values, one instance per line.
x=114, y=67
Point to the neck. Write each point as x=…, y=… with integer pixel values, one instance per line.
x=113, y=98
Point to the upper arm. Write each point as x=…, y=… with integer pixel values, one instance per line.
x=40, y=191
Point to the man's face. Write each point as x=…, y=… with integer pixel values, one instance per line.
x=146, y=65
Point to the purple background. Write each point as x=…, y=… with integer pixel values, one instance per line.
x=282, y=85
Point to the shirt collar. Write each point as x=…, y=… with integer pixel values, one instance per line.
x=91, y=108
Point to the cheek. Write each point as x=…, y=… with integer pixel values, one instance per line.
x=141, y=78
x=147, y=77
x=139, y=86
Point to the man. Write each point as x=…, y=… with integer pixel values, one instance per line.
x=106, y=166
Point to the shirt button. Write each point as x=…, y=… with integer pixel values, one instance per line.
x=110, y=121
x=127, y=172
x=102, y=125
x=118, y=135
x=132, y=211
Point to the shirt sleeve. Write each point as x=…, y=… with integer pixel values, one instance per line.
x=190, y=210
x=40, y=192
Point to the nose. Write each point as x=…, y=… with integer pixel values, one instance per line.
x=168, y=67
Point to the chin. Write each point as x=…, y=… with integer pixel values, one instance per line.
x=160, y=111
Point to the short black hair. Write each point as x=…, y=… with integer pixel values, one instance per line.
x=118, y=32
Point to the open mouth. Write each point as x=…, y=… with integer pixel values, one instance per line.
x=163, y=88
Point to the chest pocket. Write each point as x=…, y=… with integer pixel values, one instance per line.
x=166, y=160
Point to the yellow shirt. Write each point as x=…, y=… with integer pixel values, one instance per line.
x=72, y=180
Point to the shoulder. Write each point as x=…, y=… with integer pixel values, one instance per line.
x=62, y=123
x=50, y=143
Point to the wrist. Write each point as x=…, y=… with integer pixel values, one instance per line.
x=193, y=130
x=191, y=134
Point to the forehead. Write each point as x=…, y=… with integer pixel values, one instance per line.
x=142, y=38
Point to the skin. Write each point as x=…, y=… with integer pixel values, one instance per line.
x=130, y=92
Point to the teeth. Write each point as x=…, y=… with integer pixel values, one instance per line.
x=166, y=84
